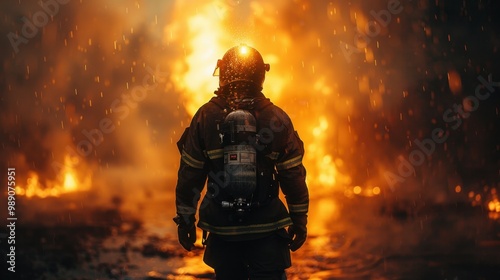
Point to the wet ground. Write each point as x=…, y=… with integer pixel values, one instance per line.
x=350, y=238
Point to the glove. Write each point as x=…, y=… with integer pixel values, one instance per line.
x=187, y=236
x=186, y=231
x=297, y=231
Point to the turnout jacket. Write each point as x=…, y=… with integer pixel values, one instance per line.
x=279, y=165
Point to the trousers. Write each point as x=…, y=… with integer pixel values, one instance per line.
x=262, y=258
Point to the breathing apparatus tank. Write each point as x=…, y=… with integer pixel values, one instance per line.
x=239, y=133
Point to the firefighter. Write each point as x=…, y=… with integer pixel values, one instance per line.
x=245, y=149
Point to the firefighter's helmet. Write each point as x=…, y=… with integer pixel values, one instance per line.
x=241, y=64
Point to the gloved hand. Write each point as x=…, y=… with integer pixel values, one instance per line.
x=298, y=231
x=186, y=231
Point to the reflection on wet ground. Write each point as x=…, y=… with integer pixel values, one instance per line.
x=352, y=238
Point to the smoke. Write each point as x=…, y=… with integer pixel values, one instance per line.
x=93, y=83
x=379, y=69
x=113, y=84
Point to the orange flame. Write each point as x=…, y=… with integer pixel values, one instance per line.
x=68, y=181
x=494, y=205
x=193, y=73
x=322, y=167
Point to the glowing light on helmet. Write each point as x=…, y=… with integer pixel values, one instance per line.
x=241, y=64
x=243, y=49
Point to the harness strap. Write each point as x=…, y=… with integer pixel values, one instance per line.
x=268, y=188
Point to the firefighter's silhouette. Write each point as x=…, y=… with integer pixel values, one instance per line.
x=248, y=149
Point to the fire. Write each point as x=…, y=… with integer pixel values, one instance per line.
x=67, y=181
x=206, y=44
x=329, y=211
x=322, y=166
x=323, y=170
x=206, y=39
x=494, y=205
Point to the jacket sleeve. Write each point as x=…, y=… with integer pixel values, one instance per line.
x=291, y=173
x=192, y=170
